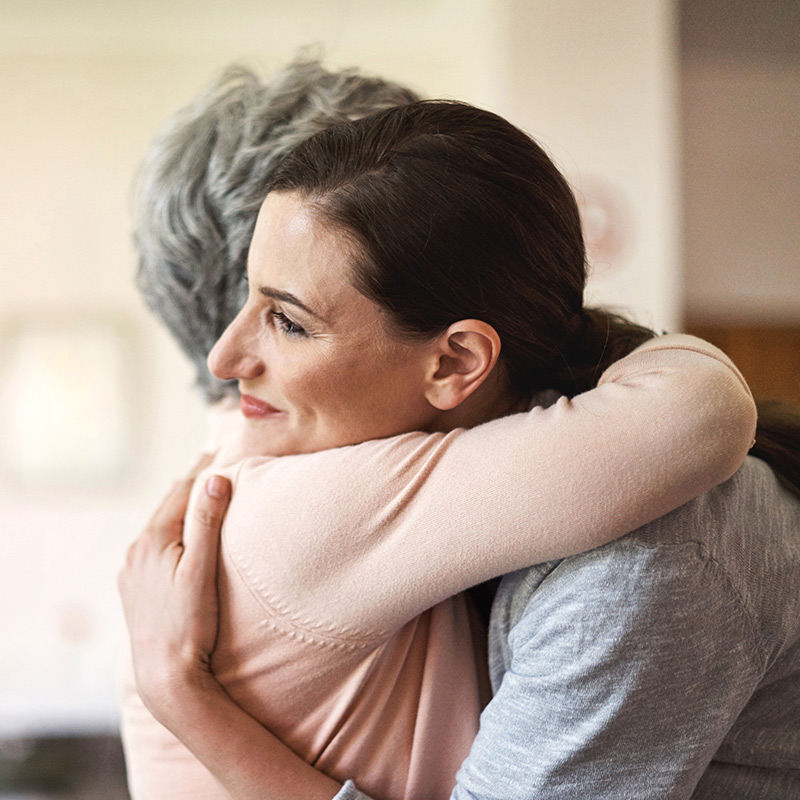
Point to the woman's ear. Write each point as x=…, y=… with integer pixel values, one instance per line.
x=466, y=354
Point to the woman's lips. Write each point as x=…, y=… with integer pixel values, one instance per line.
x=253, y=408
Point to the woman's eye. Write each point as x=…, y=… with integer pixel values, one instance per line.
x=287, y=325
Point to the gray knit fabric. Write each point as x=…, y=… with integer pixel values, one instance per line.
x=663, y=665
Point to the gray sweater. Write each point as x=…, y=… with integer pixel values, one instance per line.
x=663, y=665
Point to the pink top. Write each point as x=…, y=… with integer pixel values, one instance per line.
x=342, y=628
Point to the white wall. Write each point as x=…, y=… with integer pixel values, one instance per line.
x=742, y=191
x=740, y=117
x=596, y=83
x=84, y=86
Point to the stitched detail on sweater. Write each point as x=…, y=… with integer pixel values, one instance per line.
x=288, y=621
x=742, y=602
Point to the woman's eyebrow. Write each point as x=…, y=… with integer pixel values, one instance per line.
x=288, y=297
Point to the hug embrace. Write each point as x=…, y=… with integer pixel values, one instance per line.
x=411, y=400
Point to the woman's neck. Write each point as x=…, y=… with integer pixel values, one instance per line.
x=491, y=400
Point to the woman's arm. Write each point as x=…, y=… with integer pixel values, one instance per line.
x=370, y=535
x=168, y=589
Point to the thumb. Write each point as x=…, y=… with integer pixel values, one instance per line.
x=202, y=527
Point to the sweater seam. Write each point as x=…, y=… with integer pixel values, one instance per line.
x=291, y=623
x=740, y=599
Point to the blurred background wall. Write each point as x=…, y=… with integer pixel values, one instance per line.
x=678, y=133
x=739, y=107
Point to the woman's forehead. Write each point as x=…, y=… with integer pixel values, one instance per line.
x=294, y=250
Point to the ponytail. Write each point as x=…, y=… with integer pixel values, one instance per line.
x=600, y=339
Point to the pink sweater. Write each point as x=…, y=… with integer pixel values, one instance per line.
x=342, y=628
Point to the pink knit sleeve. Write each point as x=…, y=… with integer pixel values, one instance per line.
x=363, y=538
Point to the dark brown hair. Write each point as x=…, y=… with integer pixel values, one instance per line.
x=457, y=214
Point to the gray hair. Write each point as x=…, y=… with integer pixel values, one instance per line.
x=204, y=178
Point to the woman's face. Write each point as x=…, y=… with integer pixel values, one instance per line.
x=315, y=365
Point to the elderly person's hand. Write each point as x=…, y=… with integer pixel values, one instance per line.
x=169, y=592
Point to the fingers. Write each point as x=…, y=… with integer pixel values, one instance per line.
x=202, y=529
x=186, y=546
x=170, y=595
x=212, y=503
x=166, y=525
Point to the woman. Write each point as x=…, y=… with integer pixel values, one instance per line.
x=353, y=221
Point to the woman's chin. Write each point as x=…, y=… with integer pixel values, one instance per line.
x=260, y=439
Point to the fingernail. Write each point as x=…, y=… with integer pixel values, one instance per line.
x=215, y=486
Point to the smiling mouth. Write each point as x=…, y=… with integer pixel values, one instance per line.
x=253, y=408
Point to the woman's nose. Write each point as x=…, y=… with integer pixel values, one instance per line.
x=234, y=356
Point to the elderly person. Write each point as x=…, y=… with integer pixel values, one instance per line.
x=313, y=233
